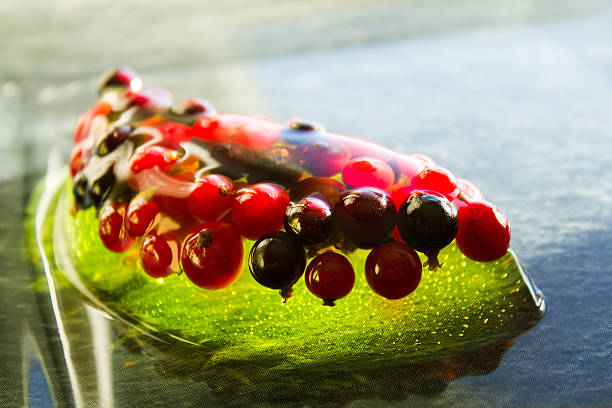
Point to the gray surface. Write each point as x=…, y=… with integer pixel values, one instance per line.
x=514, y=96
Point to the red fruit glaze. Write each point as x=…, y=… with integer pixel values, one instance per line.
x=150, y=156
x=112, y=228
x=157, y=254
x=330, y=276
x=436, y=179
x=212, y=255
x=259, y=209
x=393, y=270
x=322, y=157
x=483, y=233
x=212, y=197
x=368, y=172
x=140, y=215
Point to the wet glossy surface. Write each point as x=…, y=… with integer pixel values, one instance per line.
x=533, y=98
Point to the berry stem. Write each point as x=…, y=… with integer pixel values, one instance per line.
x=204, y=239
x=286, y=293
x=432, y=261
x=329, y=302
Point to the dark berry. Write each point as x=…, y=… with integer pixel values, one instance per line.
x=300, y=130
x=365, y=216
x=368, y=172
x=211, y=198
x=159, y=253
x=112, y=228
x=322, y=156
x=259, y=209
x=141, y=214
x=101, y=186
x=113, y=139
x=80, y=189
x=330, y=276
x=120, y=77
x=212, y=256
x=484, y=233
x=309, y=220
x=277, y=261
x=427, y=223
x=393, y=270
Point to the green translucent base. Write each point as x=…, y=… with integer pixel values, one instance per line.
x=462, y=308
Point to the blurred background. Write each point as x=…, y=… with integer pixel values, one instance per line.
x=513, y=95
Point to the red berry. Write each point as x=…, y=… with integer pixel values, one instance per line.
x=149, y=156
x=393, y=270
x=112, y=228
x=483, y=233
x=76, y=162
x=212, y=197
x=368, y=172
x=436, y=179
x=247, y=131
x=259, y=209
x=173, y=133
x=159, y=254
x=322, y=156
x=212, y=256
x=469, y=189
x=140, y=215
x=330, y=276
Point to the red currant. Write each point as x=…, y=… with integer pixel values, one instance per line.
x=259, y=209
x=368, y=172
x=393, y=270
x=76, y=162
x=173, y=133
x=81, y=130
x=212, y=256
x=483, y=233
x=112, y=228
x=141, y=214
x=159, y=254
x=322, y=156
x=212, y=197
x=436, y=179
x=330, y=276
x=150, y=156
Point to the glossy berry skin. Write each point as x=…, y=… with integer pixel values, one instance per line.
x=393, y=270
x=484, y=233
x=211, y=198
x=322, y=156
x=436, y=179
x=427, y=223
x=277, y=261
x=259, y=209
x=141, y=214
x=173, y=133
x=399, y=194
x=157, y=254
x=112, y=228
x=147, y=157
x=365, y=216
x=309, y=220
x=330, y=276
x=212, y=256
x=329, y=189
x=368, y=172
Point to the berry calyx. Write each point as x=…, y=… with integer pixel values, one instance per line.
x=141, y=214
x=309, y=220
x=393, y=270
x=211, y=198
x=159, y=253
x=212, y=255
x=112, y=228
x=484, y=232
x=427, y=223
x=259, y=209
x=365, y=216
x=330, y=276
x=277, y=261
x=368, y=172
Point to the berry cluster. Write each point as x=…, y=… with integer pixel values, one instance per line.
x=187, y=184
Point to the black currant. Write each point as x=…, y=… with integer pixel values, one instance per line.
x=80, y=187
x=309, y=220
x=101, y=187
x=427, y=223
x=365, y=216
x=277, y=261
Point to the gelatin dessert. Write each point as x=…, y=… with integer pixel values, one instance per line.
x=284, y=242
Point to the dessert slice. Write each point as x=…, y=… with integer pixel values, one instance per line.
x=189, y=222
